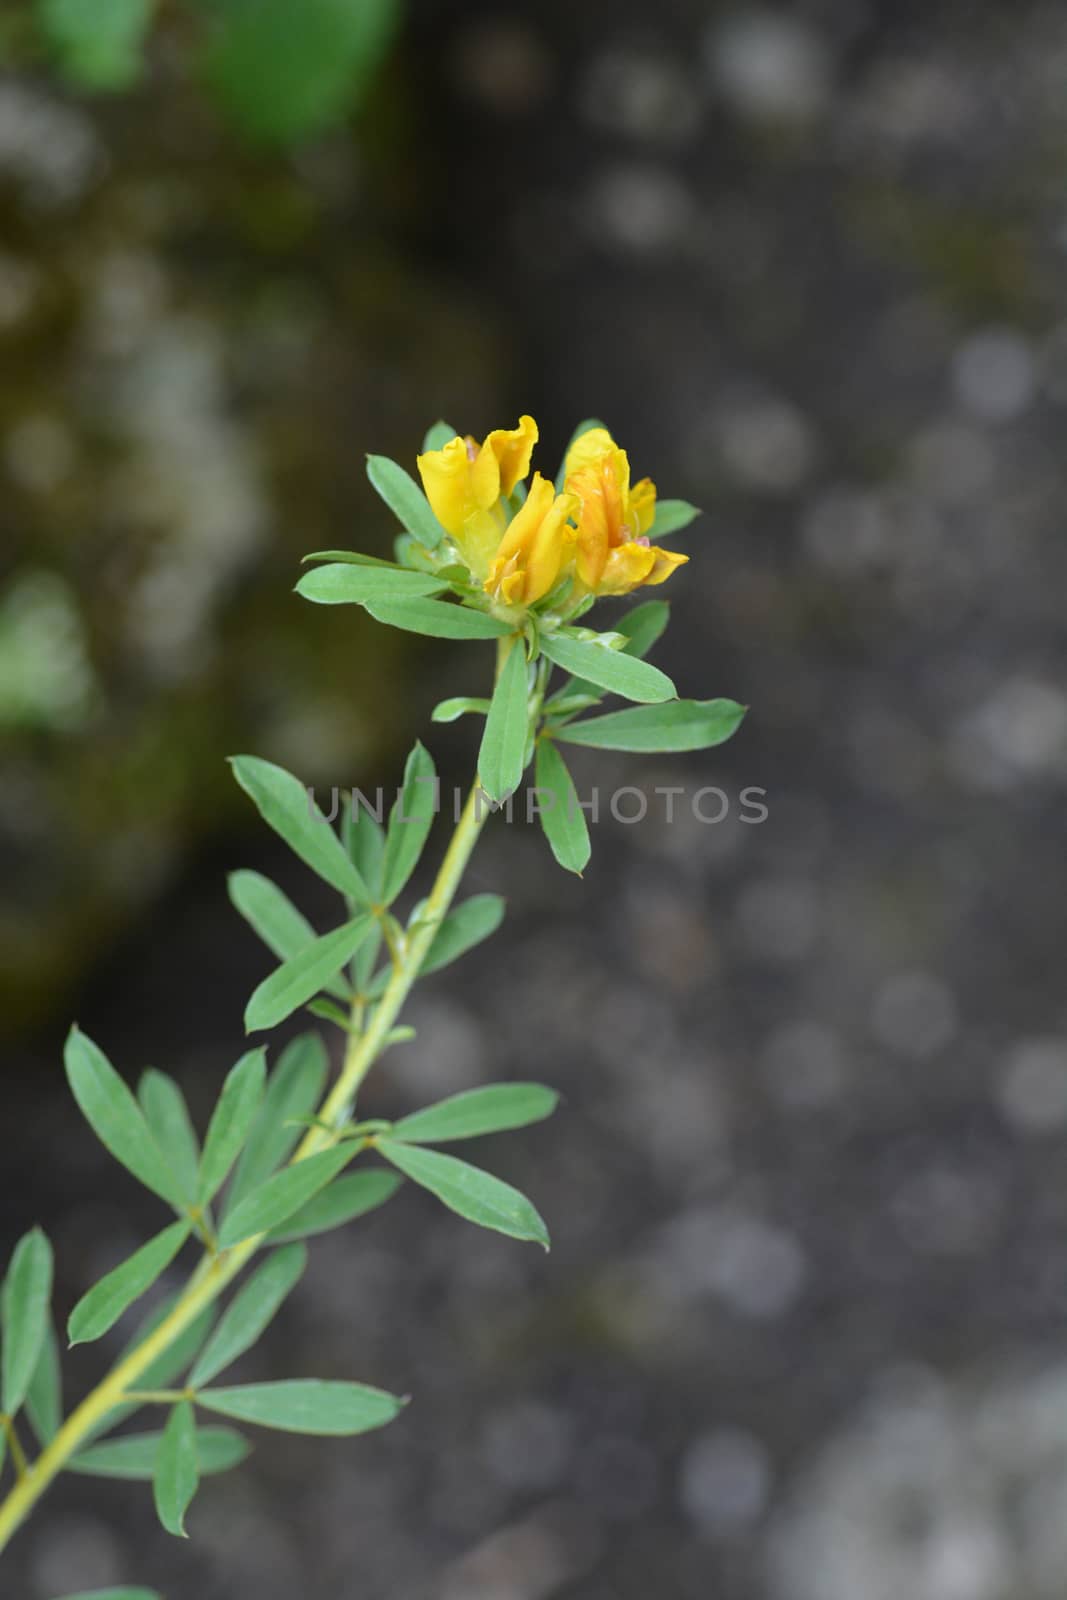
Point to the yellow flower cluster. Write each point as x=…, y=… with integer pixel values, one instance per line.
x=594, y=532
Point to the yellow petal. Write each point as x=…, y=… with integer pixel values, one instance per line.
x=665, y=563
x=643, y=505
x=538, y=545
x=512, y=449
x=445, y=475
x=587, y=448
x=627, y=566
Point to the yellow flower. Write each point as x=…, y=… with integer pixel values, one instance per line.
x=613, y=553
x=466, y=481
x=537, y=548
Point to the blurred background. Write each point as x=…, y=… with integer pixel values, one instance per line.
x=803, y=1333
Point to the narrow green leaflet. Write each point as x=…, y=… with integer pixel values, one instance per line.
x=477, y=1111
x=437, y=436
x=609, y=669
x=643, y=626
x=24, y=1316
x=231, y=1120
x=285, y=805
x=294, y=1089
x=355, y=557
x=115, y=1594
x=640, y=627
x=250, y=1312
x=583, y=427
x=671, y=516
x=464, y=927
x=341, y=583
x=44, y=1397
x=562, y=818
x=364, y=838
x=679, y=725
x=503, y=749
x=305, y=1405
x=469, y=1191
x=405, y=500
x=177, y=1474
x=103, y=1305
x=348, y=1197
x=135, y=1455
x=167, y=1116
x=302, y=977
x=410, y=822
x=270, y=913
x=438, y=619
x=460, y=706
x=114, y=1115
x=283, y=1195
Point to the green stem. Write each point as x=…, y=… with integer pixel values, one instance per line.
x=215, y=1272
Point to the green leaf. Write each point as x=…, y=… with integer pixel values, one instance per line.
x=348, y=1197
x=296, y=981
x=114, y=1115
x=293, y=1091
x=405, y=500
x=503, y=749
x=97, y=46
x=285, y=805
x=583, y=427
x=469, y=1191
x=115, y=1594
x=306, y=1405
x=177, y=1473
x=438, y=619
x=449, y=710
x=103, y=1305
x=643, y=626
x=270, y=913
x=437, y=436
x=231, y=1121
x=355, y=557
x=477, y=1111
x=340, y=584
x=609, y=669
x=24, y=1303
x=250, y=1312
x=680, y=725
x=134, y=1457
x=167, y=1116
x=44, y=1397
x=562, y=818
x=671, y=516
x=464, y=927
x=283, y=1195
x=410, y=822
x=364, y=838
x=284, y=72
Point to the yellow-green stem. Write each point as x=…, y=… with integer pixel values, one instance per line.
x=216, y=1271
